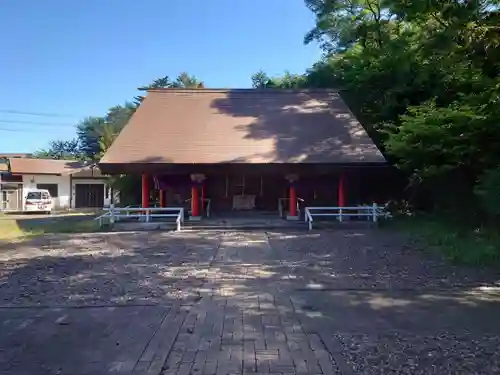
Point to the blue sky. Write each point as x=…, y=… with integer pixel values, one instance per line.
x=78, y=58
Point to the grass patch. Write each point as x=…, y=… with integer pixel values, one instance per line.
x=464, y=245
x=14, y=229
x=9, y=229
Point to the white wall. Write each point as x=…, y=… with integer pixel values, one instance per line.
x=62, y=201
x=64, y=189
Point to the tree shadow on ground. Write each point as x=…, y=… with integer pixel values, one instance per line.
x=366, y=291
x=97, y=267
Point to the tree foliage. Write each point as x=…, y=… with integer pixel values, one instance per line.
x=261, y=80
x=488, y=191
x=96, y=134
x=423, y=76
x=424, y=79
x=183, y=80
x=60, y=150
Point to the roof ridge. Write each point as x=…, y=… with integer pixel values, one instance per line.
x=244, y=90
x=49, y=159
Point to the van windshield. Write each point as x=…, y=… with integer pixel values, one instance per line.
x=34, y=195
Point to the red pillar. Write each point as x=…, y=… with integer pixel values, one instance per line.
x=341, y=192
x=162, y=197
x=293, y=201
x=145, y=190
x=195, y=204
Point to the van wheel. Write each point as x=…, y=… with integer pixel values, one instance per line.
x=49, y=212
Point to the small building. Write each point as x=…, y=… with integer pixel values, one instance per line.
x=72, y=184
x=248, y=149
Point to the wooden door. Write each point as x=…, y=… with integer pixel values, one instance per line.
x=89, y=195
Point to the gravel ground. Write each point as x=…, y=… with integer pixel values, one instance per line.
x=371, y=260
x=407, y=353
x=98, y=269
x=387, y=307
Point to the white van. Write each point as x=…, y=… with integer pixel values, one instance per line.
x=38, y=200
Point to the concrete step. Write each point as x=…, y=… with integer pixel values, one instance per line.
x=241, y=224
x=212, y=224
x=348, y=224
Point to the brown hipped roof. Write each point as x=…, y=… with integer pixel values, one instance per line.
x=14, y=155
x=46, y=166
x=184, y=126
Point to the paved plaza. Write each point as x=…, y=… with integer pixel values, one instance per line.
x=235, y=302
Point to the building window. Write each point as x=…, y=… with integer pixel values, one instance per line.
x=52, y=188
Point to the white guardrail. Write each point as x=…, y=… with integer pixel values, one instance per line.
x=115, y=214
x=371, y=213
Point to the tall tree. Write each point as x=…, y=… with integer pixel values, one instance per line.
x=88, y=132
x=287, y=81
x=260, y=80
x=60, y=150
x=342, y=23
x=159, y=83
x=184, y=80
x=422, y=76
x=91, y=129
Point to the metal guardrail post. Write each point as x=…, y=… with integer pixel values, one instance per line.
x=375, y=212
x=209, y=202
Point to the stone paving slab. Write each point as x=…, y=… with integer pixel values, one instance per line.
x=219, y=337
x=77, y=340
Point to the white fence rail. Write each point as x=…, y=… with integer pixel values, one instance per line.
x=370, y=213
x=115, y=214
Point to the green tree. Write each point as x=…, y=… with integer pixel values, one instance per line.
x=91, y=129
x=287, y=81
x=340, y=24
x=183, y=80
x=88, y=132
x=488, y=191
x=60, y=150
x=186, y=81
x=424, y=79
x=260, y=80
x=159, y=83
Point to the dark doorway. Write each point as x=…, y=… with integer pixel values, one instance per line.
x=89, y=195
x=52, y=188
